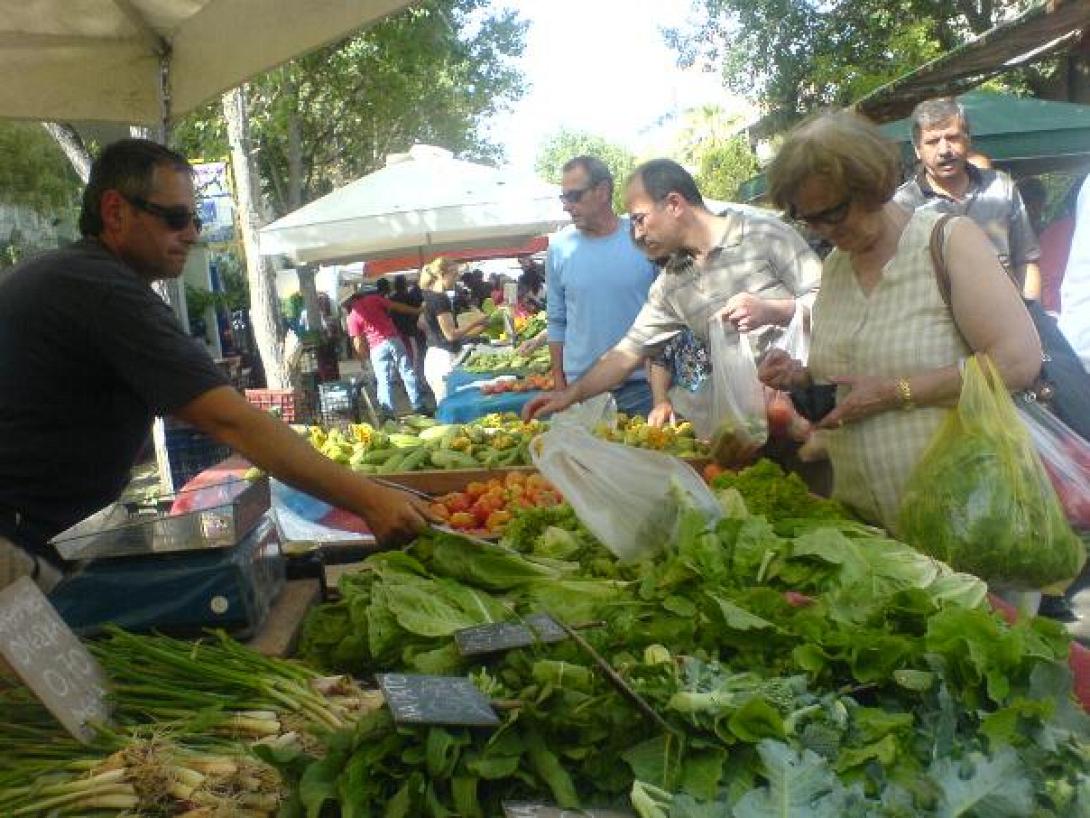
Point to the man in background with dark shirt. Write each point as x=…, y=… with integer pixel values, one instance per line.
x=89, y=355
x=408, y=325
x=949, y=183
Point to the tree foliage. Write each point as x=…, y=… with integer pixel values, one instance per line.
x=567, y=144
x=798, y=55
x=719, y=157
x=432, y=73
x=33, y=171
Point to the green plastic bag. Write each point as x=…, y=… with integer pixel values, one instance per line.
x=980, y=500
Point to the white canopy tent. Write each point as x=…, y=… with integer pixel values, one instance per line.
x=147, y=62
x=425, y=201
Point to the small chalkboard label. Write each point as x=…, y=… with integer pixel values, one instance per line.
x=497, y=636
x=51, y=660
x=451, y=700
x=526, y=809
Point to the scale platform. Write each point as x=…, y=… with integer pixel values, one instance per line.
x=179, y=592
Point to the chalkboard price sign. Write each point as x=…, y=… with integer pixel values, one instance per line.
x=450, y=700
x=51, y=660
x=497, y=636
x=526, y=809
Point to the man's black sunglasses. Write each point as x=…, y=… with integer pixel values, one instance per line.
x=573, y=196
x=176, y=218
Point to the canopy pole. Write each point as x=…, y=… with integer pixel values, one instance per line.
x=164, y=95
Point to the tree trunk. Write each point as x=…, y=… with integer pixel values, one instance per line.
x=72, y=144
x=295, y=197
x=264, y=304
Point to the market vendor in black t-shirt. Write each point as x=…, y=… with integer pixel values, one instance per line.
x=89, y=355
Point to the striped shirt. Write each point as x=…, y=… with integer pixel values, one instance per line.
x=993, y=202
x=757, y=254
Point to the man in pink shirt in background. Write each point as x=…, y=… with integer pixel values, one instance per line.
x=369, y=324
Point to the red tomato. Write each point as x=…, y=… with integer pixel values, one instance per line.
x=480, y=512
x=780, y=413
x=514, y=478
x=711, y=471
x=457, y=502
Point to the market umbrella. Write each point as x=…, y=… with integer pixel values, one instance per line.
x=149, y=61
x=377, y=269
x=422, y=203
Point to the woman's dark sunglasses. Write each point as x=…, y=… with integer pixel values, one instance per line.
x=176, y=218
x=831, y=216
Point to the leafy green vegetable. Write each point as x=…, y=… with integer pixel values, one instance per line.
x=980, y=499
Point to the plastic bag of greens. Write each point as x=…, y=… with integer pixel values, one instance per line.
x=629, y=498
x=1066, y=458
x=980, y=499
x=737, y=397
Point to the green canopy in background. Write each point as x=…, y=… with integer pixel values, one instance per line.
x=1022, y=135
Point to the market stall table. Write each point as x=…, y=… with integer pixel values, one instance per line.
x=470, y=403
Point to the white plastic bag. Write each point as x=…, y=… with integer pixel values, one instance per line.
x=738, y=397
x=795, y=340
x=588, y=414
x=628, y=498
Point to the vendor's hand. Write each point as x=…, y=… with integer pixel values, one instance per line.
x=395, y=517
x=746, y=311
x=661, y=414
x=778, y=370
x=548, y=404
x=867, y=395
x=559, y=381
x=530, y=346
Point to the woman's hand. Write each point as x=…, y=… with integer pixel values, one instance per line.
x=868, y=396
x=778, y=370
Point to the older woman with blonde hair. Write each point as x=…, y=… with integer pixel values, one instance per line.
x=444, y=336
x=883, y=333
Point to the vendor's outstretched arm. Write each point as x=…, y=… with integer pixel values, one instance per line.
x=394, y=517
x=609, y=371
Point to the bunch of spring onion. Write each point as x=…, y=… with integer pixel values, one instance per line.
x=217, y=686
x=125, y=771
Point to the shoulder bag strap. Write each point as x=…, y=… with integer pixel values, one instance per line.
x=942, y=275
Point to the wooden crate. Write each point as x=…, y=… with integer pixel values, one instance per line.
x=448, y=480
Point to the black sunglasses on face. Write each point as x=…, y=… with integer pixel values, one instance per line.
x=831, y=216
x=176, y=218
x=573, y=196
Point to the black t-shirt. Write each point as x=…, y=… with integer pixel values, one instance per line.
x=406, y=324
x=436, y=304
x=89, y=354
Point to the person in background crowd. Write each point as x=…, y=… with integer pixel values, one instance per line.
x=408, y=325
x=531, y=292
x=495, y=283
x=437, y=281
x=978, y=160
x=948, y=183
x=375, y=336
x=1034, y=197
x=1075, y=290
x=598, y=282
x=749, y=270
x=882, y=331
x=1055, y=241
x=89, y=355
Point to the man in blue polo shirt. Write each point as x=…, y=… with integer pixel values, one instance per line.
x=597, y=282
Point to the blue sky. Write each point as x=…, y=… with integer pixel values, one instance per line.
x=601, y=66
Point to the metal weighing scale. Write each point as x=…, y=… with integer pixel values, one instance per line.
x=207, y=558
